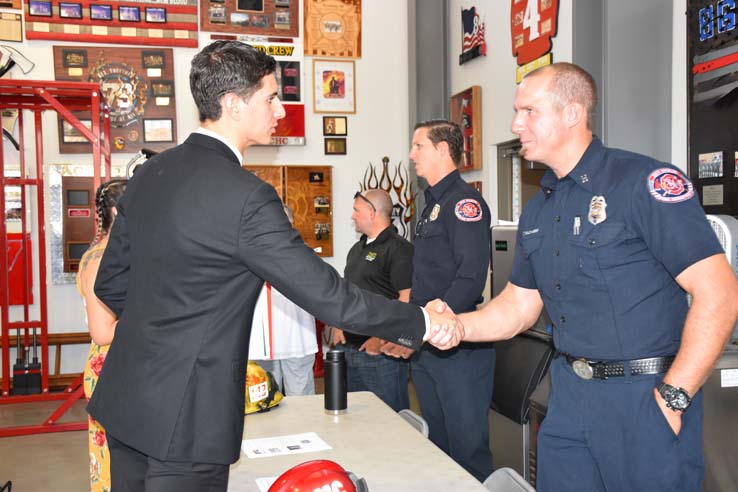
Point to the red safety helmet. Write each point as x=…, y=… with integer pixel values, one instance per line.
x=318, y=476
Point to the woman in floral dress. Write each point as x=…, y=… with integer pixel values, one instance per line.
x=101, y=323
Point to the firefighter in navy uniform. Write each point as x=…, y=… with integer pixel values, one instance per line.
x=454, y=388
x=610, y=245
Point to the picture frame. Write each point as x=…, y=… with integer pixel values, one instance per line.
x=250, y=5
x=334, y=86
x=70, y=134
x=101, y=12
x=466, y=111
x=158, y=130
x=162, y=88
x=334, y=146
x=129, y=14
x=39, y=8
x=156, y=15
x=153, y=59
x=335, y=126
x=74, y=58
x=70, y=10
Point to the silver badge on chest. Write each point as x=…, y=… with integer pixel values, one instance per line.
x=436, y=210
x=597, y=210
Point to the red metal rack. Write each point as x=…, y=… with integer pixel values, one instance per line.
x=37, y=96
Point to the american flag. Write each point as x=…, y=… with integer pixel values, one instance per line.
x=473, y=29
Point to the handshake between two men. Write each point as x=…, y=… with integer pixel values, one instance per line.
x=446, y=331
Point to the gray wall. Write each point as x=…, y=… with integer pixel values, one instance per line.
x=627, y=46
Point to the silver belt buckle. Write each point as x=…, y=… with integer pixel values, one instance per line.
x=582, y=369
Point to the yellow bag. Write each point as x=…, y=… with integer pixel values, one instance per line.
x=262, y=391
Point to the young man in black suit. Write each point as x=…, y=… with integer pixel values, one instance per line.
x=195, y=238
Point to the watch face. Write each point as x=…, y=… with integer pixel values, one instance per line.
x=675, y=398
x=679, y=400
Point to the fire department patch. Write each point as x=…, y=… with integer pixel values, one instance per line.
x=468, y=210
x=669, y=185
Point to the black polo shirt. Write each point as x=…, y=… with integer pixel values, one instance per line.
x=384, y=266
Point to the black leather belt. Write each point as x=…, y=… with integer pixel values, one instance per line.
x=588, y=369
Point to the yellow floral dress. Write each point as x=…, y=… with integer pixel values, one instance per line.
x=98, y=444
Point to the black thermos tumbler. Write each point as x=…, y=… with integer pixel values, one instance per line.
x=335, y=382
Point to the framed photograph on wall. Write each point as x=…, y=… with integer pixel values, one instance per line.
x=335, y=126
x=70, y=134
x=466, y=111
x=156, y=14
x=129, y=14
x=335, y=146
x=158, y=130
x=334, y=86
x=70, y=10
x=101, y=12
x=39, y=8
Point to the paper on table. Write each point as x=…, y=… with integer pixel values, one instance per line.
x=265, y=482
x=268, y=447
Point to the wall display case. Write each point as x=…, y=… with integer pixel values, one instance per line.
x=138, y=86
x=78, y=218
x=712, y=94
x=466, y=111
x=157, y=23
x=308, y=190
x=253, y=17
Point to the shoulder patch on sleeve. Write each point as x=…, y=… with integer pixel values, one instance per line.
x=468, y=210
x=669, y=186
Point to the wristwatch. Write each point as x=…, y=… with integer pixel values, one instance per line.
x=676, y=398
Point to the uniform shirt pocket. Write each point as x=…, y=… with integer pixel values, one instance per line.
x=598, y=248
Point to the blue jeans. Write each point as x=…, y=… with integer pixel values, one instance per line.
x=384, y=376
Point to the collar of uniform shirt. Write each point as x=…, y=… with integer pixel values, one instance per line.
x=218, y=136
x=440, y=188
x=584, y=172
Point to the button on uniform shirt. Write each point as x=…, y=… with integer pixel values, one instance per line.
x=383, y=266
x=451, y=246
x=603, y=245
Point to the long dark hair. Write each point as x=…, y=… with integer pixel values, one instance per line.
x=106, y=198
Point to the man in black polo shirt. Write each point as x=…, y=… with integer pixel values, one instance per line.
x=380, y=262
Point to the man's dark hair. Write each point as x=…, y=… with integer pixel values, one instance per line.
x=445, y=131
x=225, y=67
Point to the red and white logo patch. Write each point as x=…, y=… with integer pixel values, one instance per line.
x=669, y=185
x=468, y=210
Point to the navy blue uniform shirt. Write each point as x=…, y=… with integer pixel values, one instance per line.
x=603, y=245
x=451, y=246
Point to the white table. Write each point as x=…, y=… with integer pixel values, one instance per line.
x=370, y=440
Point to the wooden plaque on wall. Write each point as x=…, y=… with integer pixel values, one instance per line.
x=148, y=22
x=308, y=192
x=274, y=175
x=333, y=28
x=138, y=85
x=253, y=17
x=466, y=111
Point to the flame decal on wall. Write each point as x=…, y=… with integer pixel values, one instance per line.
x=399, y=188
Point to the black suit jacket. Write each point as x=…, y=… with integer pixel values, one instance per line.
x=194, y=239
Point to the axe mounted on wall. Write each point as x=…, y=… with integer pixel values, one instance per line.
x=10, y=57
